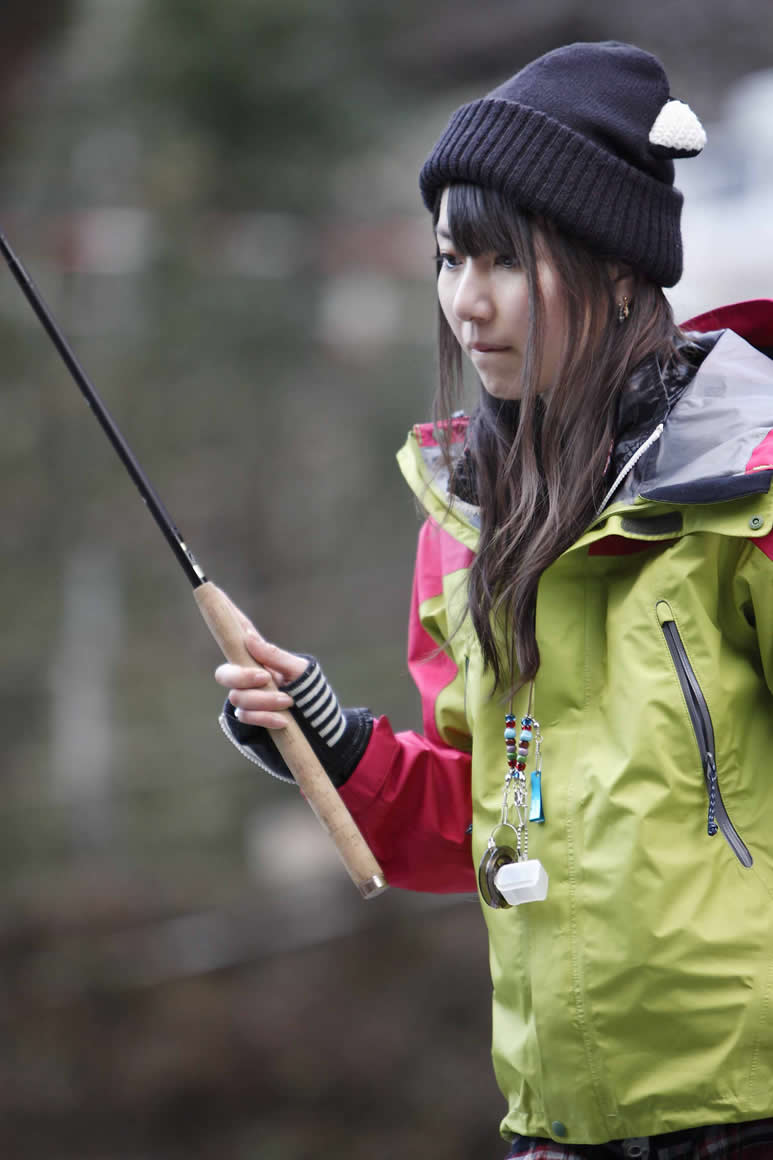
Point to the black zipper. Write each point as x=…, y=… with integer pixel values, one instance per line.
x=718, y=817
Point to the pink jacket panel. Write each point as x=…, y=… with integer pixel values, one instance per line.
x=437, y=556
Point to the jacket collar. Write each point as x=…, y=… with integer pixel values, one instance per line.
x=650, y=394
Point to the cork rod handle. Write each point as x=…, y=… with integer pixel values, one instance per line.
x=223, y=622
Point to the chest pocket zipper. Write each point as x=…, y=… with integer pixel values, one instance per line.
x=700, y=717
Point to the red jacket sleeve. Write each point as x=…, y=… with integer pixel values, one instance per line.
x=410, y=794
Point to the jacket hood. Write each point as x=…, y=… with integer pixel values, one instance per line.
x=717, y=437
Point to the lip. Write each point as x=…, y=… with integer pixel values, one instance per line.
x=488, y=348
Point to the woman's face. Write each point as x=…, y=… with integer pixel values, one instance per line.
x=486, y=303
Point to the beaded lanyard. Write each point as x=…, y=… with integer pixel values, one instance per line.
x=507, y=876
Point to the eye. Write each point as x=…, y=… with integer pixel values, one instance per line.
x=447, y=260
x=508, y=261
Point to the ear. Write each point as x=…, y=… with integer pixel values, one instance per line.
x=623, y=279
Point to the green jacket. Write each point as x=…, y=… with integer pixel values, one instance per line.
x=638, y=997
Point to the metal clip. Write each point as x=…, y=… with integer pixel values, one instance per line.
x=636, y=1148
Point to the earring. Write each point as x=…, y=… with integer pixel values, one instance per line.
x=623, y=309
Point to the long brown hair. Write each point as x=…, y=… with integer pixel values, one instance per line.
x=538, y=464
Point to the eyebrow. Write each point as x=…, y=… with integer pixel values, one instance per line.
x=441, y=233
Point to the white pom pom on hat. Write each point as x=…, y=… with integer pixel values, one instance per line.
x=677, y=132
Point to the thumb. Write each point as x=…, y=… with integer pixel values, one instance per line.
x=282, y=665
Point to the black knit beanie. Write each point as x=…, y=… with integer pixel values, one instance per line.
x=584, y=135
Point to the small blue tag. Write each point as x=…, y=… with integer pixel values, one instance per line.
x=535, y=813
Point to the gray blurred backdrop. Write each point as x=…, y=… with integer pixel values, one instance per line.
x=219, y=202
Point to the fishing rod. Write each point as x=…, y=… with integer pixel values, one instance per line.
x=220, y=616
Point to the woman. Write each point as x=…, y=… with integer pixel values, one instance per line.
x=595, y=576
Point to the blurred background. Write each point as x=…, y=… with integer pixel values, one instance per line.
x=219, y=203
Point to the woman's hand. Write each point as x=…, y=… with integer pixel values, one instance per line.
x=254, y=704
x=337, y=738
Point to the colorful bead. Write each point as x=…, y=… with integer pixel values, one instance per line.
x=510, y=734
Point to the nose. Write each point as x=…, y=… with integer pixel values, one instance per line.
x=473, y=301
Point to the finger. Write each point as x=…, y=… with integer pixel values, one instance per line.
x=263, y=720
x=286, y=665
x=240, y=677
x=257, y=701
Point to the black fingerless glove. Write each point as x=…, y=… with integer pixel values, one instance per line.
x=338, y=737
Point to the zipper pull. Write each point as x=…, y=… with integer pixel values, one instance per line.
x=711, y=773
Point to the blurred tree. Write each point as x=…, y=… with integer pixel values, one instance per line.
x=273, y=93
x=26, y=30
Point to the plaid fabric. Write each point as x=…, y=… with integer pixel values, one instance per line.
x=749, y=1141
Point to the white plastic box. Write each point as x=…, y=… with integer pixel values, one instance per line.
x=519, y=882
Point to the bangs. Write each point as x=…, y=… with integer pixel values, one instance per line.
x=481, y=221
